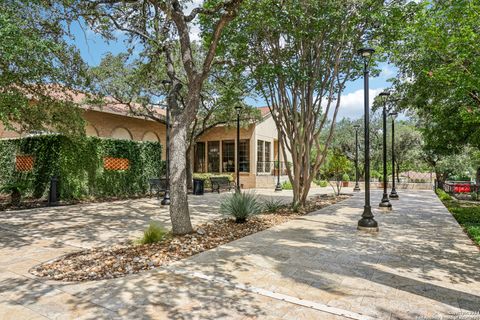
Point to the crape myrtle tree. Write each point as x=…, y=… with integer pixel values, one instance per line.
x=35, y=62
x=139, y=85
x=299, y=55
x=156, y=28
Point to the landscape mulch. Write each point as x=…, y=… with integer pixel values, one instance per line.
x=122, y=259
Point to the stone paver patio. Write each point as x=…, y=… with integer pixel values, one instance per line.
x=420, y=264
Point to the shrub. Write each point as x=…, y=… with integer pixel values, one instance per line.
x=474, y=196
x=206, y=177
x=345, y=177
x=272, y=205
x=15, y=189
x=240, y=205
x=78, y=162
x=154, y=233
x=443, y=195
x=321, y=183
x=287, y=185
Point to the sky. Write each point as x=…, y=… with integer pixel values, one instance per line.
x=93, y=48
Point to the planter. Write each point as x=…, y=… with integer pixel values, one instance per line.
x=344, y=183
x=15, y=198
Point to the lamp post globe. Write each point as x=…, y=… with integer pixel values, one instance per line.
x=357, y=186
x=385, y=203
x=393, y=193
x=367, y=222
x=238, y=108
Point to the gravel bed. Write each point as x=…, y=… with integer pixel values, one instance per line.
x=122, y=259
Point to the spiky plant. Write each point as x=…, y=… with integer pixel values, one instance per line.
x=240, y=205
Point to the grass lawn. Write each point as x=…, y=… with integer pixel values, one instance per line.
x=467, y=214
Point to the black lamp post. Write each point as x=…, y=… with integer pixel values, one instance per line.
x=393, y=193
x=367, y=222
x=166, y=195
x=238, y=109
x=385, y=203
x=357, y=187
x=278, y=187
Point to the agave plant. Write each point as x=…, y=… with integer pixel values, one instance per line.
x=240, y=205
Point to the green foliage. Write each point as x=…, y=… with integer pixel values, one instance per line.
x=206, y=177
x=13, y=187
x=240, y=205
x=78, y=162
x=336, y=169
x=34, y=54
x=345, y=177
x=287, y=185
x=441, y=83
x=443, y=195
x=474, y=196
x=468, y=216
x=272, y=205
x=321, y=183
x=154, y=233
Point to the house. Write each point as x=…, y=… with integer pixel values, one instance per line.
x=214, y=151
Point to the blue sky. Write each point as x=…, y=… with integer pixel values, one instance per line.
x=93, y=47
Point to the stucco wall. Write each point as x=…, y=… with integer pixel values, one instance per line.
x=106, y=125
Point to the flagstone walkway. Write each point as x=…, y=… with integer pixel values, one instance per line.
x=420, y=264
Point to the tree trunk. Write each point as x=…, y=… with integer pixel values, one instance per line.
x=179, y=212
x=440, y=179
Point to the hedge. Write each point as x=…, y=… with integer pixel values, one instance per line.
x=78, y=162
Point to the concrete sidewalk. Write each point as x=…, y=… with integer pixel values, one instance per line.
x=420, y=264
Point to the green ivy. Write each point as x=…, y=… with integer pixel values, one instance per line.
x=78, y=162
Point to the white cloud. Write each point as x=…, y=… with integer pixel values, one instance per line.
x=351, y=104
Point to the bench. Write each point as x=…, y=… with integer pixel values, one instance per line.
x=158, y=185
x=221, y=183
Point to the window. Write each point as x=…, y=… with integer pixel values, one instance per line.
x=244, y=156
x=213, y=156
x=267, y=158
x=199, y=164
x=228, y=156
x=264, y=156
x=260, y=153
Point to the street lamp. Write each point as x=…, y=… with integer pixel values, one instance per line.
x=166, y=195
x=393, y=193
x=367, y=222
x=238, y=109
x=357, y=187
x=385, y=203
x=278, y=187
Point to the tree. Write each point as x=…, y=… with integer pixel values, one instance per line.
x=436, y=46
x=38, y=70
x=337, y=165
x=126, y=81
x=299, y=55
x=159, y=27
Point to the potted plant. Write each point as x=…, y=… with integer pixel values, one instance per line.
x=345, y=180
x=15, y=189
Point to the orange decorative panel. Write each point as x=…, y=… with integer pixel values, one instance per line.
x=116, y=164
x=24, y=163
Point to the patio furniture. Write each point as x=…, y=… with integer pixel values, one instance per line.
x=221, y=183
x=158, y=185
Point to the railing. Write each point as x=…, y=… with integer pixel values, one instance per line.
x=271, y=167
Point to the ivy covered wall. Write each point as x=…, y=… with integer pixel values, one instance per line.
x=79, y=164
